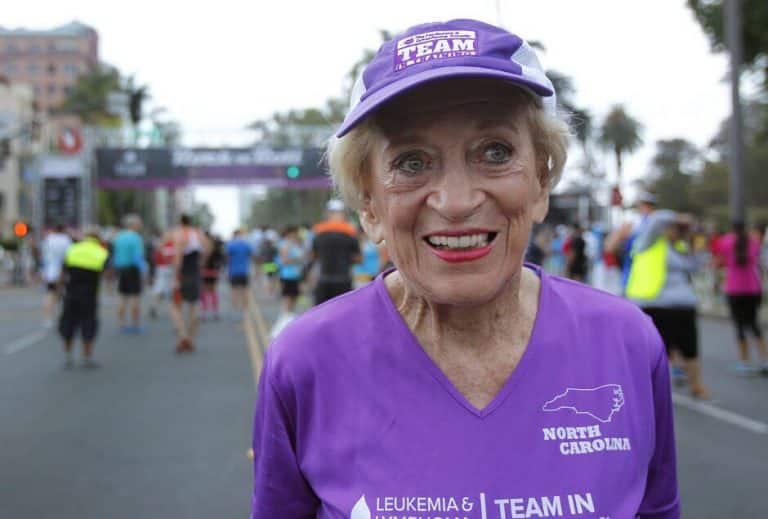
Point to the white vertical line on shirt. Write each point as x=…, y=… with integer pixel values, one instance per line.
x=717, y=413
x=25, y=341
x=483, y=514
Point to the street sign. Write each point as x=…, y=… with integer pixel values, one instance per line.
x=69, y=140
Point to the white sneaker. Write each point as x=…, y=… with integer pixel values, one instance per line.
x=282, y=322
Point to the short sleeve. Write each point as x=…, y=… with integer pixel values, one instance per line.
x=661, y=500
x=279, y=488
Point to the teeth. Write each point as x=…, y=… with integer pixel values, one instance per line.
x=459, y=242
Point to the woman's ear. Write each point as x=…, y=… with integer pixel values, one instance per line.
x=371, y=220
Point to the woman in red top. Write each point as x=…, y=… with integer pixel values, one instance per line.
x=739, y=254
x=163, y=281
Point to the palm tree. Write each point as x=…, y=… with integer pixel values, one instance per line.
x=620, y=133
x=88, y=97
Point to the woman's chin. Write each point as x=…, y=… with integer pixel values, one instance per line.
x=461, y=292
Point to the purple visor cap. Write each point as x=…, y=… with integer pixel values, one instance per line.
x=433, y=51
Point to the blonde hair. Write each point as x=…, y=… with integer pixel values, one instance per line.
x=348, y=157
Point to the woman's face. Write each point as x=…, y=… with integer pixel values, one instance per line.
x=454, y=190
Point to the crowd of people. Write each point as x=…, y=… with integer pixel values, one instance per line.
x=181, y=269
x=184, y=268
x=670, y=264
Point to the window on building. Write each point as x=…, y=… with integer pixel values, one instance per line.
x=12, y=48
x=51, y=69
x=72, y=69
x=34, y=48
x=33, y=69
x=10, y=69
x=51, y=89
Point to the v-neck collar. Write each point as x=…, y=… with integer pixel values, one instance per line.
x=415, y=350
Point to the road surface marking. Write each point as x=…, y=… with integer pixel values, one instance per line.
x=25, y=341
x=720, y=414
x=254, y=349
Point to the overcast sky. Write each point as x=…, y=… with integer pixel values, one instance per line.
x=216, y=66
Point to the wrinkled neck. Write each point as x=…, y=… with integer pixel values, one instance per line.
x=481, y=327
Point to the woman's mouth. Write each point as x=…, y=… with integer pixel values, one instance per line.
x=463, y=242
x=459, y=248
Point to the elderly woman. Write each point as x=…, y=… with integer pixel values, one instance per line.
x=463, y=383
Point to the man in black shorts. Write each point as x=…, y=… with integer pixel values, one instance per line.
x=83, y=265
x=128, y=260
x=192, y=248
x=337, y=249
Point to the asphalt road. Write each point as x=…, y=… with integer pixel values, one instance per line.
x=153, y=435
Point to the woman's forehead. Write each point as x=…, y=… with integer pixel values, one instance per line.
x=483, y=102
x=480, y=115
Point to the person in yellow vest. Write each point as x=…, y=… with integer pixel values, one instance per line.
x=660, y=283
x=83, y=265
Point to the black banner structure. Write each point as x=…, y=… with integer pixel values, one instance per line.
x=61, y=201
x=149, y=168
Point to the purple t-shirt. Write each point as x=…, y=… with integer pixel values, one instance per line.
x=355, y=421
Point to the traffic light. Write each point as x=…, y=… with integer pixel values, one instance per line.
x=293, y=171
x=135, y=101
x=20, y=229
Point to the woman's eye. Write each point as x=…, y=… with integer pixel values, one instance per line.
x=411, y=163
x=496, y=153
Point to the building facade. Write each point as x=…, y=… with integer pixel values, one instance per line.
x=50, y=61
x=16, y=141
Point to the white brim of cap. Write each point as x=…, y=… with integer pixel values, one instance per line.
x=364, y=108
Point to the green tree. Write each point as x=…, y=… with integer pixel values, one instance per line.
x=88, y=97
x=754, y=20
x=672, y=168
x=621, y=134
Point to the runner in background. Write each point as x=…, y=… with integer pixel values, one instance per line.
x=83, y=265
x=335, y=248
x=162, y=285
x=128, y=260
x=575, y=252
x=370, y=265
x=54, y=250
x=209, y=299
x=239, y=254
x=538, y=247
x=660, y=283
x=620, y=241
x=739, y=253
x=191, y=249
x=267, y=257
x=255, y=239
x=291, y=260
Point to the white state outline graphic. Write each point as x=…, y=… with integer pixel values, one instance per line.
x=559, y=395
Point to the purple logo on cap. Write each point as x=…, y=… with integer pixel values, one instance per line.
x=426, y=46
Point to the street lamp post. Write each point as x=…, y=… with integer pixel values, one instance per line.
x=735, y=136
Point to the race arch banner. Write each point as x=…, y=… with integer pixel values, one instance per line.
x=150, y=168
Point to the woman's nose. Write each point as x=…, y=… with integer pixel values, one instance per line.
x=455, y=195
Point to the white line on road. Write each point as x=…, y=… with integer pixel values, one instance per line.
x=720, y=414
x=25, y=341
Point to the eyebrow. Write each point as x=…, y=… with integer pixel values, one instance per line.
x=496, y=122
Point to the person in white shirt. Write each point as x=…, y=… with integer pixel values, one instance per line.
x=54, y=249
